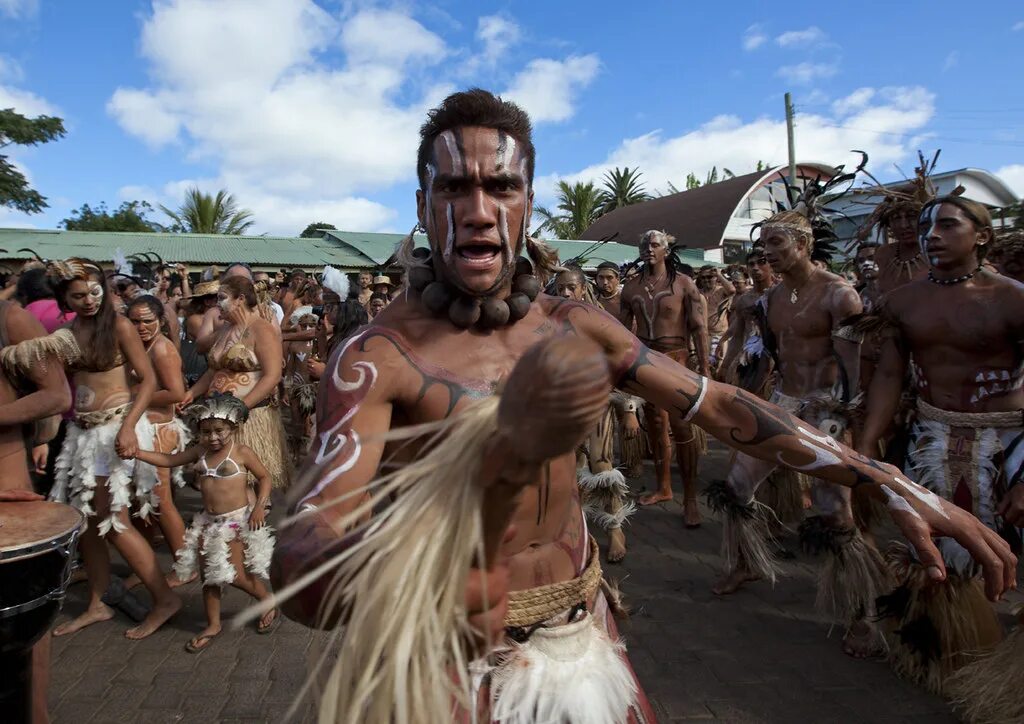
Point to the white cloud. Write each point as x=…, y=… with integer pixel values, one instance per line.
x=952, y=60
x=11, y=219
x=804, y=73
x=303, y=112
x=1018, y=26
x=883, y=128
x=812, y=37
x=853, y=102
x=16, y=9
x=547, y=88
x=754, y=38
x=1013, y=175
x=25, y=102
x=497, y=34
x=10, y=71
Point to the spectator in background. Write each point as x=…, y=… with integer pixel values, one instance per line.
x=35, y=294
x=376, y=304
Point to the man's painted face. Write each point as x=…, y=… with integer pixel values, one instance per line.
x=607, y=282
x=84, y=297
x=868, y=270
x=653, y=249
x=948, y=236
x=476, y=207
x=782, y=248
x=568, y=286
x=145, y=322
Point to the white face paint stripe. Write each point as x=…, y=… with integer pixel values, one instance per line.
x=453, y=151
x=429, y=198
x=526, y=204
x=449, y=244
x=504, y=156
x=703, y=382
x=506, y=245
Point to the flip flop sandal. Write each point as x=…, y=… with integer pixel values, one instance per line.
x=193, y=646
x=268, y=628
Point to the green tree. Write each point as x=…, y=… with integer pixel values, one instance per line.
x=208, y=214
x=129, y=216
x=15, y=192
x=622, y=187
x=310, y=231
x=579, y=204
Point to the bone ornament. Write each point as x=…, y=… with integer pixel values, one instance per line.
x=467, y=311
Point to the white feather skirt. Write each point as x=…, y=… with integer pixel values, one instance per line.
x=88, y=454
x=210, y=535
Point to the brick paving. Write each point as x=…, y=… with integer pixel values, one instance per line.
x=761, y=655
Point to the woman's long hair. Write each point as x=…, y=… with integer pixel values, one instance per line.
x=101, y=349
x=156, y=307
x=351, y=316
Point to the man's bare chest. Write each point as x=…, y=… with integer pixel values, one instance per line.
x=971, y=323
x=657, y=306
x=805, y=319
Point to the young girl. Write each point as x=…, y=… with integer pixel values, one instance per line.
x=229, y=539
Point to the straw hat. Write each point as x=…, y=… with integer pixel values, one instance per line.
x=204, y=289
x=382, y=280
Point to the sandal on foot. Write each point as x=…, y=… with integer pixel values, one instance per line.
x=262, y=628
x=196, y=645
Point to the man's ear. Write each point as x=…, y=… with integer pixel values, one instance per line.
x=421, y=208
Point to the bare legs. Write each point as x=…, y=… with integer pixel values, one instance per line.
x=742, y=541
x=244, y=581
x=687, y=457
x=136, y=552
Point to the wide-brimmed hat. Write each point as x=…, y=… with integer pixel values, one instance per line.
x=204, y=289
x=381, y=280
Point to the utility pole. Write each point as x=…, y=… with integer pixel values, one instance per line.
x=789, y=137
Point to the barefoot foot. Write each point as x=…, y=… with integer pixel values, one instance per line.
x=691, y=514
x=157, y=617
x=616, y=545
x=174, y=582
x=733, y=581
x=863, y=640
x=91, y=616
x=652, y=498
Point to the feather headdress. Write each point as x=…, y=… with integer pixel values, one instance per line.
x=66, y=270
x=219, y=406
x=336, y=282
x=807, y=213
x=121, y=263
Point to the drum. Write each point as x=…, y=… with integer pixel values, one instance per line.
x=37, y=547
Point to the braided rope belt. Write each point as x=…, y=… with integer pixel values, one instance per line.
x=1013, y=418
x=98, y=418
x=534, y=605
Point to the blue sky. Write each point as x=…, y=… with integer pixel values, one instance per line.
x=309, y=112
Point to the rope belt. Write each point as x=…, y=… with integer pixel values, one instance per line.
x=534, y=605
x=977, y=420
x=98, y=418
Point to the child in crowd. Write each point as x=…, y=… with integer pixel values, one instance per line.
x=230, y=539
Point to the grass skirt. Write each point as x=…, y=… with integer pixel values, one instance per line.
x=210, y=535
x=89, y=453
x=989, y=690
x=264, y=434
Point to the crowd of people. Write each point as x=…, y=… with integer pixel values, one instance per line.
x=812, y=368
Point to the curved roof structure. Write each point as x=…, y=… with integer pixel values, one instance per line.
x=698, y=218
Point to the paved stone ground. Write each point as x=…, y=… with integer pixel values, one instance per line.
x=762, y=655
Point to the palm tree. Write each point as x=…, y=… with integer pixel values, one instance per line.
x=622, y=187
x=207, y=214
x=580, y=204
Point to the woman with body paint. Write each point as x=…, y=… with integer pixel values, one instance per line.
x=94, y=471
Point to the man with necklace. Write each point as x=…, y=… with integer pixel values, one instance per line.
x=666, y=309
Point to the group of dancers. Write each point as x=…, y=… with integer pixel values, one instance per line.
x=456, y=432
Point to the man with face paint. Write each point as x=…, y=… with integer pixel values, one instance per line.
x=472, y=311
x=805, y=314
x=958, y=330
x=667, y=311
x=747, y=363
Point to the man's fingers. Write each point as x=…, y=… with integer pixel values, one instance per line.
x=1005, y=553
x=986, y=552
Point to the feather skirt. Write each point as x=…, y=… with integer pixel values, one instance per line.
x=210, y=536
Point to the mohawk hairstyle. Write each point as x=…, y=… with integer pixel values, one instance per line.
x=475, y=107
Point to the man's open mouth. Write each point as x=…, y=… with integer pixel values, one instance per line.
x=478, y=252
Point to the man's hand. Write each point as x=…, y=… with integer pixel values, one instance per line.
x=19, y=496
x=1011, y=507
x=920, y=515
x=315, y=369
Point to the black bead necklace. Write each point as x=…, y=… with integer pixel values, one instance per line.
x=464, y=310
x=955, y=280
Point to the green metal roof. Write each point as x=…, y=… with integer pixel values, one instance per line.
x=195, y=249
x=346, y=250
